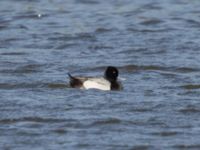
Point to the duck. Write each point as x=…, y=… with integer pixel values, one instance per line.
x=107, y=82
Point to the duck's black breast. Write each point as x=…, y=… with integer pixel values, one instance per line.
x=116, y=86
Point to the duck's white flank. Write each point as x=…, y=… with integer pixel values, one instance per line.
x=97, y=83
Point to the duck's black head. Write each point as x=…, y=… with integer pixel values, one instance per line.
x=111, y=73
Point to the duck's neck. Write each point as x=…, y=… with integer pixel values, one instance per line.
x=110, y=79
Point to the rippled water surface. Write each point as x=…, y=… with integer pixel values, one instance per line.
x=156, y=46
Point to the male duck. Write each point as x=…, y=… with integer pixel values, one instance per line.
x=108, y=82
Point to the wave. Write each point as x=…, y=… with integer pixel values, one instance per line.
x=35, y=85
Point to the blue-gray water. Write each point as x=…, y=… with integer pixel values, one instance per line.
x=156, y=46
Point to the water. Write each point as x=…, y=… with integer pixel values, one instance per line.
x=155, y=45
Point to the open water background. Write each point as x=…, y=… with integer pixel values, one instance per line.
x=156, y=46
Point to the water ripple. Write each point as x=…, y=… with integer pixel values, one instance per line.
x=151, y=22
x=78, y=36
x=166, y=133
x=13, y=53
x=191, y=86
x=87, y=2
x=32, y=119
x=187, y=146
x=36, y=85
x=189, y=109
x=29, y=15
x=26, y=69
x=103, y=30
x=150, y=30
x=107, y=121
x=159, y=68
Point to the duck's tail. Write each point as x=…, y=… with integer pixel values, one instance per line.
x=70, y=76
x=74, y=82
